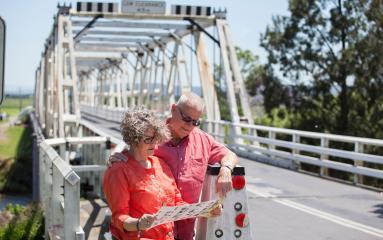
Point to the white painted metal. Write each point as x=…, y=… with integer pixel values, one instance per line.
x=243, y=95
x=207, y=227
x=207, y=80
x=323, y=150
x=60, y=194
x=130, y=24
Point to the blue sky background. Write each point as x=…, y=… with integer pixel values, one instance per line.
x=29, y=23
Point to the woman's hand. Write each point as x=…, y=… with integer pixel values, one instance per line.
x=215, y=212
x=146, y=221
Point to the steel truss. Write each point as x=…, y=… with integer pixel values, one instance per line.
x=124, y=60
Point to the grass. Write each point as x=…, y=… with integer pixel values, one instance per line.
x=19, y=223
x=13, y=105
x=8, y=148
x=15, y=152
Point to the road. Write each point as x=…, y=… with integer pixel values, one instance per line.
x=290, y=205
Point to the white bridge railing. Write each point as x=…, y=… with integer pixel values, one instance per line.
x=289, y=148
x=59, y=190
x=107, y=113
x=57, y=182
x=60, y=183
x=286, y=147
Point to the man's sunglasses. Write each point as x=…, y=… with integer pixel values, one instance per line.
x=188, y=119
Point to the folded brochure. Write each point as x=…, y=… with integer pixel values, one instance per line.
x=170, y=214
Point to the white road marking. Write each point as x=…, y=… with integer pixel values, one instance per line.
x=330, y=217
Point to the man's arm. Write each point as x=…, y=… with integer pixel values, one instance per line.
x=224, y=182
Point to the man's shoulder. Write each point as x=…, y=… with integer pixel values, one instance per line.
x=199, y=133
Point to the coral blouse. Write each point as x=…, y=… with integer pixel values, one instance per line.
x=131, y=190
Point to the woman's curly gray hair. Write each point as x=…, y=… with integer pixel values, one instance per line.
x=137, y=121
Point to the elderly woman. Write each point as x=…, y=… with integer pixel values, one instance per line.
x=136, y=189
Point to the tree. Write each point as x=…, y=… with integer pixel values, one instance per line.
x=259, y=78
x=273, y=91
x=334, y=48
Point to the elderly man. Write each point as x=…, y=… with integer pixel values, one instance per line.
x=188, y=153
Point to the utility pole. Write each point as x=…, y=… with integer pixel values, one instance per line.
x=20, y=100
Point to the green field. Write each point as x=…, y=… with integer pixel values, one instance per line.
x=13, y=105
x=15, y=150
x=17, y=222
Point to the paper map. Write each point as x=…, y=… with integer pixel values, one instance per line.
x=175, y=213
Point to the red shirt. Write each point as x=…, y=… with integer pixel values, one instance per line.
x=131, y=190
x=188, y=162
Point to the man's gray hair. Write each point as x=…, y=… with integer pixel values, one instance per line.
x=191, y=99
x=137, y=121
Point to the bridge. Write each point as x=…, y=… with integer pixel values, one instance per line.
x=101, y=59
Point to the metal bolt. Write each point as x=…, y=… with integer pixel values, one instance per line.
x=238, y=206
x=237, y=233
x=218, y=233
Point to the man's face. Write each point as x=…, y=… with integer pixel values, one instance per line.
x=184, y=119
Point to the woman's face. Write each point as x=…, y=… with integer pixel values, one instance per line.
x=145, y=146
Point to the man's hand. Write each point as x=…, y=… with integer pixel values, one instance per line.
x=116, y=157
x=224, y=183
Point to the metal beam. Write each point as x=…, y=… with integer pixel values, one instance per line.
x=86, y=28
x=97, y=55
x=103, y=47
x=194, y=23
x=126, y=33
x=122, y=24
x=170, y=17
x=116, y=40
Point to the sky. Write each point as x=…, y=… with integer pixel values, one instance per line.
x=29, y=22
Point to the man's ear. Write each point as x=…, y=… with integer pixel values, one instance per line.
x=173, y=107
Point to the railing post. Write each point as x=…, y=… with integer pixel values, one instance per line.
x=72, y=207
x=209, y=127
x=43, y=194
x=48, y=191
x=253, y=132
x=271, y=146
x=296, y=139
x=35, y=169
x=56, y=223
x=359, y=148
x=324, y=144
x=231, y=134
